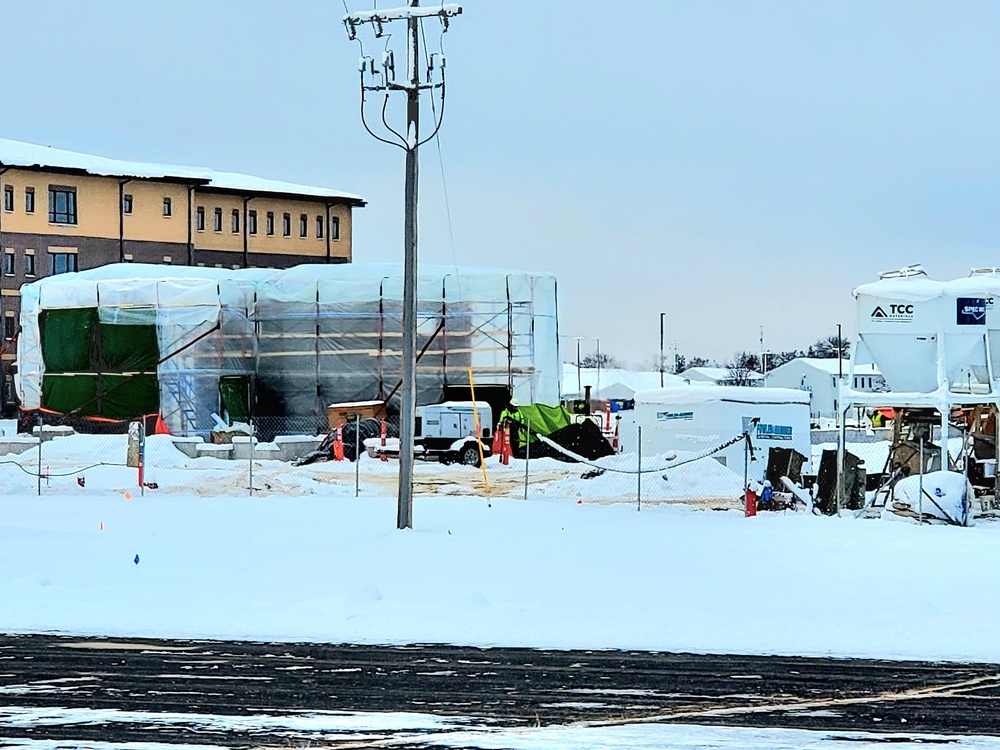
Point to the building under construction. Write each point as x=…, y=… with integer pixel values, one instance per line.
x=128, y=340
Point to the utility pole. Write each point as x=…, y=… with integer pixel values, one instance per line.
x=763, y=357
x=661, y=350
x=381, y=79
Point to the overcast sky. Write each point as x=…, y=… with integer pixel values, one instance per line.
x=732, y=164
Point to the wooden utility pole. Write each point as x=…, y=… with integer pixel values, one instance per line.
x=381, y=78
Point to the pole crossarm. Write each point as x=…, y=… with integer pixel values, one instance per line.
x=378, y=18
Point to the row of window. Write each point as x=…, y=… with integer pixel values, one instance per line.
x=62, y=202
x=128, y=203
x=62, y=210
x=58, y=263
x=286, y=223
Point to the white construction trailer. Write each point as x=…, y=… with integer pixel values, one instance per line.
x=699, y=418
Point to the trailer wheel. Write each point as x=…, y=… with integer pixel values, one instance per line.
x=470, y=455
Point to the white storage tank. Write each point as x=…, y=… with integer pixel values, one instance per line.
x=899, y=320
x=972, y=331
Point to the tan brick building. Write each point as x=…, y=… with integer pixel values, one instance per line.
x=62, y=211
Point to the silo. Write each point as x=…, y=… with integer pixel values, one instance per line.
x=900, y=318
x=971, y=331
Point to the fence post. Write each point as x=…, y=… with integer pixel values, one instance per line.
x=40, y=423
x=638, y=474
x=357, y=454
x=253, y=429
x=527, y=454
x=920, y=503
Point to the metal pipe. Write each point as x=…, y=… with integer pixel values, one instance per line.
x=190, y=219
x=246, y=236
x=920, y=502
x=121, y=219
x=661, y=349
x=328, y=249
x=527, y=454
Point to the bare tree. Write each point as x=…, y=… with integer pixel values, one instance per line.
x=742, y=369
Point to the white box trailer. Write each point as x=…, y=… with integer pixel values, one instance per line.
x=694, y=419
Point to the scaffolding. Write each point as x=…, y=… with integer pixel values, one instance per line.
x=304, y=337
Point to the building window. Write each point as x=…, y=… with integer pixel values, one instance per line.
x=199, y=221
x=303, y=225
x=319, y=227
x=61, y=263
x=217, y=220
x=286, y=225
x=8, y=198
x=9, y=326
x=62, y=205
x=8, y=263
x=236, y=221
x=270, y=223
x=334, y=228
x=126, y=204
x=168, y=209
x=29, y=265
x=29, y=200
x=252, y=222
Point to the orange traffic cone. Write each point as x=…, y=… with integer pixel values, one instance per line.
x=506, y=453
x=160, y=428
x=499, y=446
x=338, y=444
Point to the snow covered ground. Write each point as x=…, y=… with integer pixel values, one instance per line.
x=550, y=572
x=93, y=465
x=416, y=730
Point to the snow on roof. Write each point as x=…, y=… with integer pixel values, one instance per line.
x=714, y=373
x=615, y=383
x=703, y=394
x=914, y=289
x=830, y=366
x=29, y=155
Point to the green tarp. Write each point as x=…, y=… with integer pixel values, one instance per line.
x=541, y=418
x=66, y=339
x=84, y=361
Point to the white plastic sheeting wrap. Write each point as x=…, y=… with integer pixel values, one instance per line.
x=312, y=335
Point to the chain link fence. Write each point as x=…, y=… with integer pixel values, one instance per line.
x=275, y=456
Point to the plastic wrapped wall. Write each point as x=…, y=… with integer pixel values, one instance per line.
x=311, y=335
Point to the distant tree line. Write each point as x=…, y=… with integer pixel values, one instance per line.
x=741, y=365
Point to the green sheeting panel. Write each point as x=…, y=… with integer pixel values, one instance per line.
x=128, y=348
x=66, y=339
x=74, y=341
x=543, y=419
x=64, y=393
x=122, y=397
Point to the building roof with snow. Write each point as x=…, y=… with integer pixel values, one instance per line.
x=829, y=366
x=702, y=394
x=613, y=382
x=714, y=375
x=45, y=158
